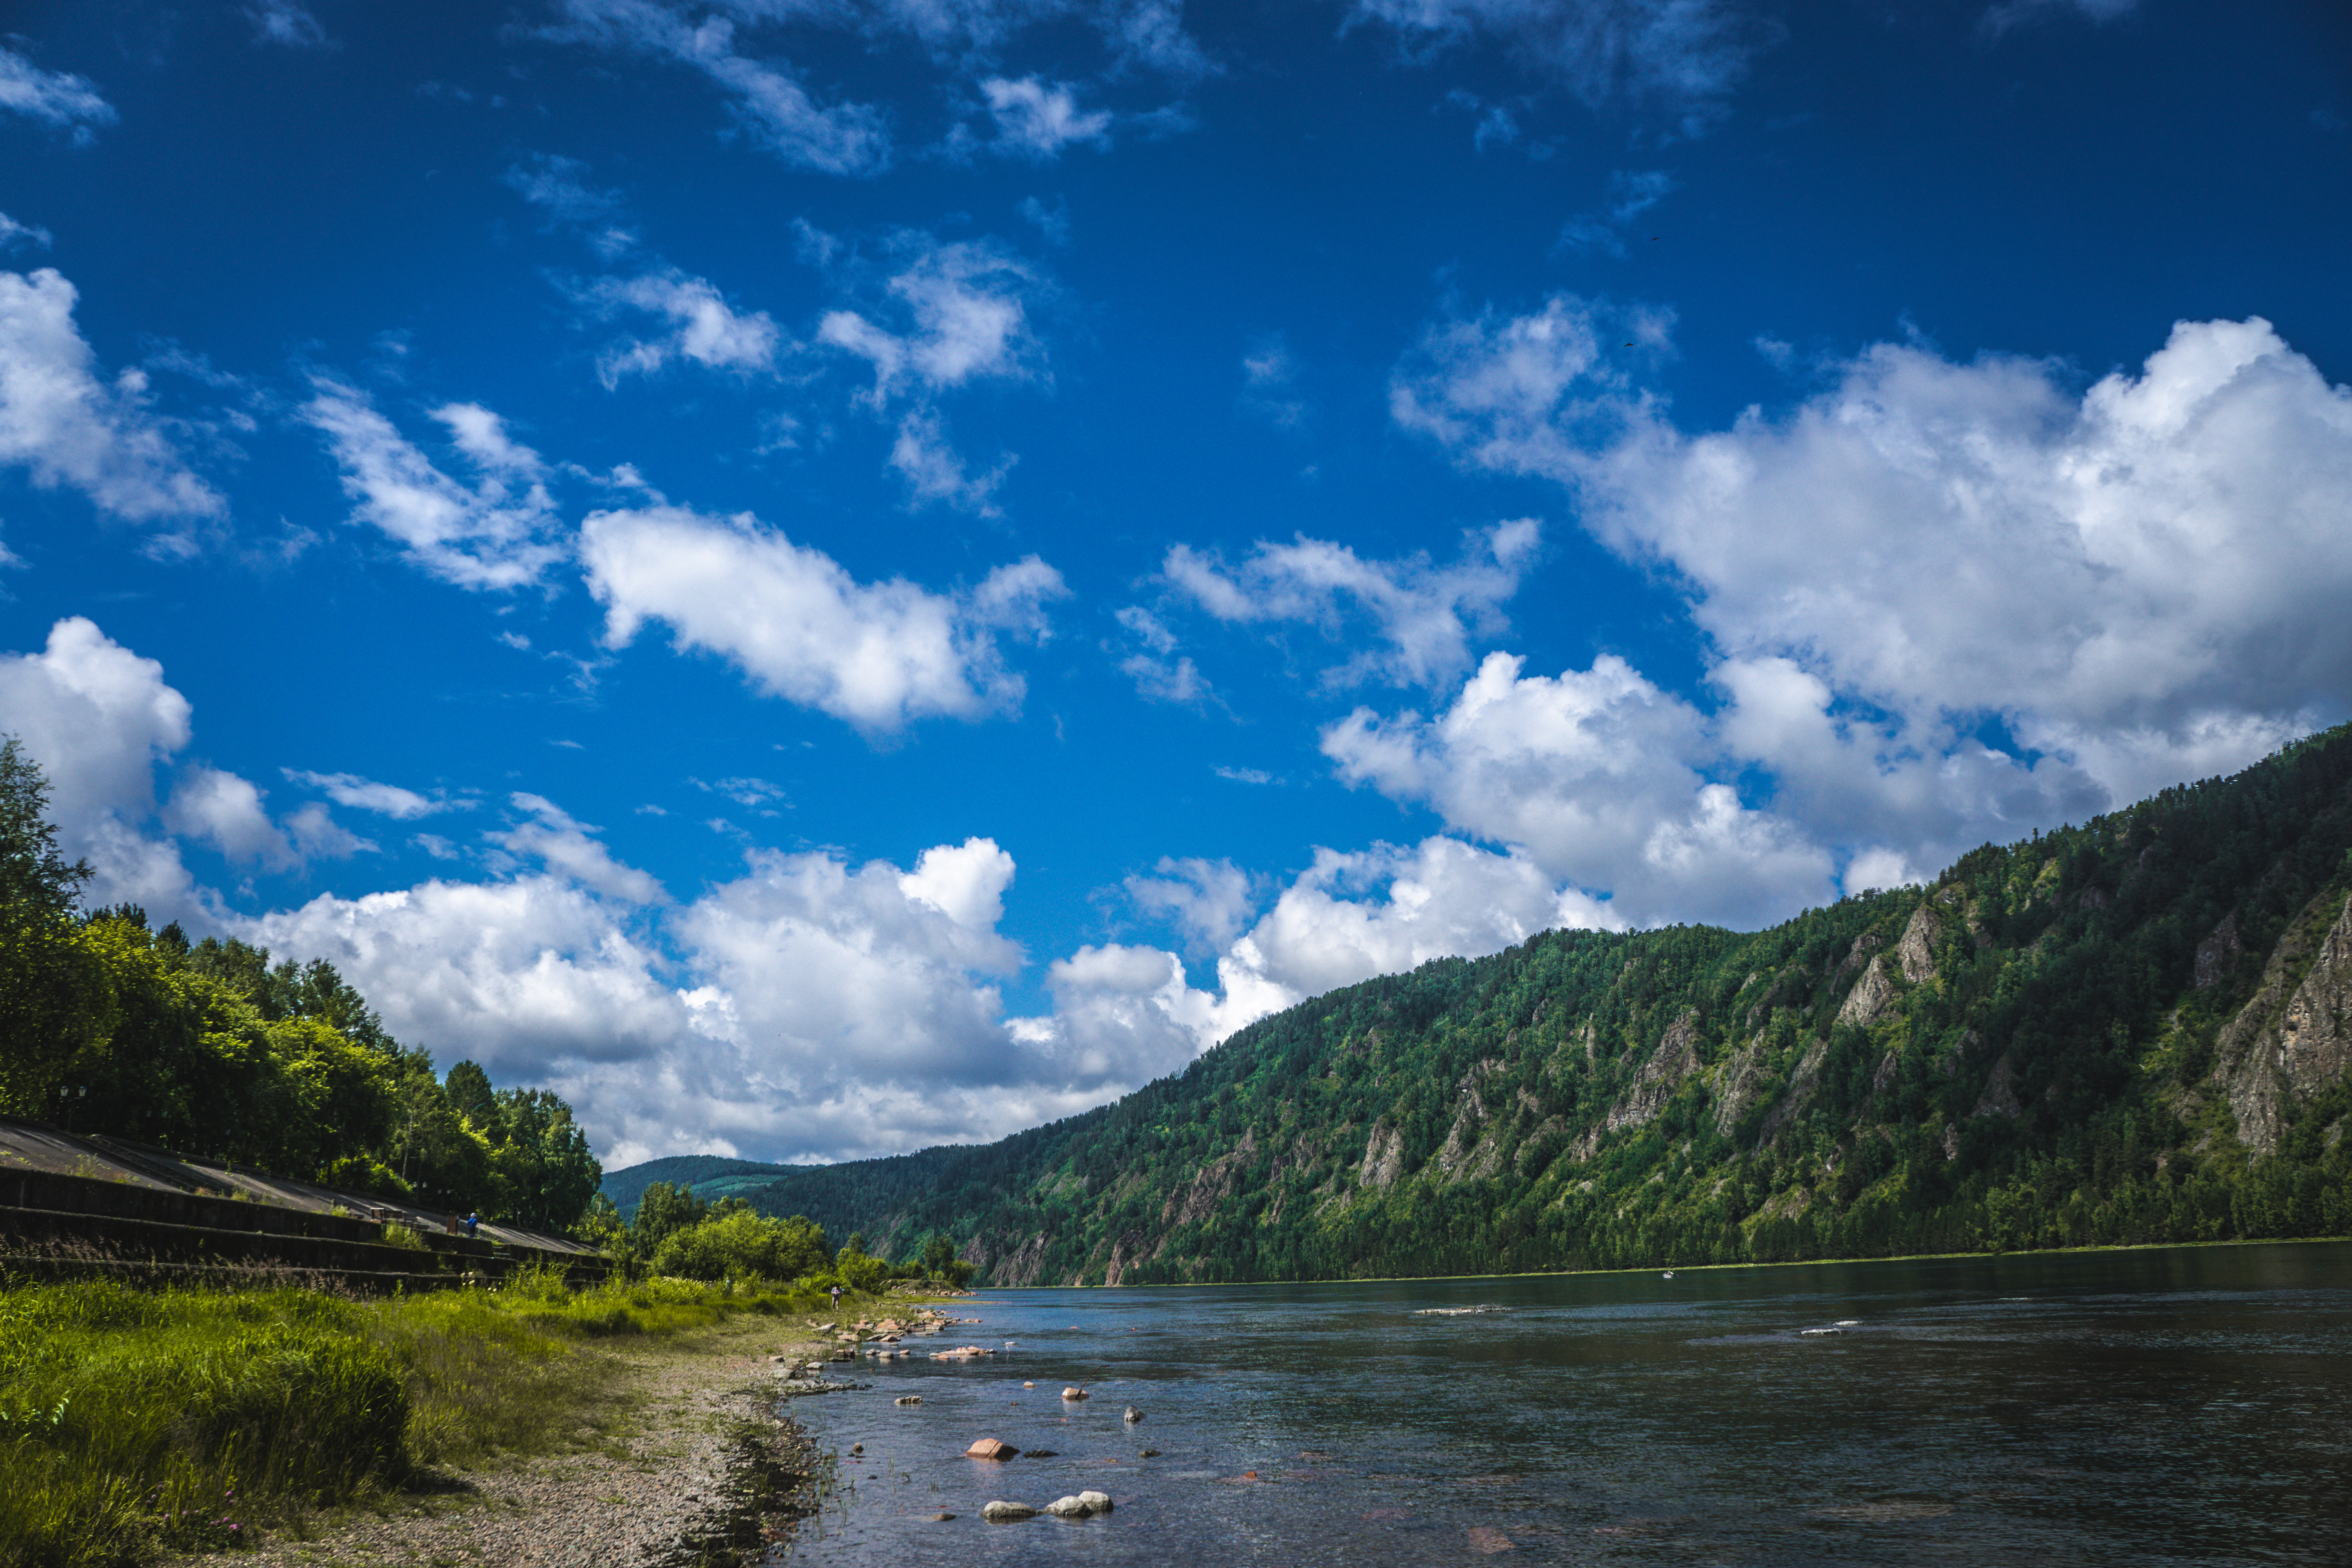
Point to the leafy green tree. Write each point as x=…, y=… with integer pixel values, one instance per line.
x=663, y=1210
x=470, y=1095
x=739, y=1243
x=443, y=1158
x=856, y=1269
x=600, y=1225
x=545, y=1171
x=33, y=875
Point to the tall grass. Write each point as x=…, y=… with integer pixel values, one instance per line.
x=133, y=1419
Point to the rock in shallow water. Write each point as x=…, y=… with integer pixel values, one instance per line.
x=1006, y=1512
x=1086, y=1505
x=1133, y=1415
x=992, y=1449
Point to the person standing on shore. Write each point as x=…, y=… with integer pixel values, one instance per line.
x=837, y=1298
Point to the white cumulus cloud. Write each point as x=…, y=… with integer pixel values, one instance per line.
x=2137, y=582
x=1599, y=778
x=879, y=655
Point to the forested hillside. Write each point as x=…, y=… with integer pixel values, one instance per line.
x=2132, y=1030
x=709, y=1176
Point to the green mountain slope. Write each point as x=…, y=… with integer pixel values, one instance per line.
x=709, y=1176
x=2133, y=1030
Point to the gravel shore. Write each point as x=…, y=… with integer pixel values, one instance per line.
x=672, y=1491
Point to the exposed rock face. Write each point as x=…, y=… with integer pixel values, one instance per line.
x=1999, y=1097
x=1463, y=1134
x=1803, y=1083
x=2218, y=951
x=1871, y=997
x=1218, y=1180
x=1888, y=1067
x=1741, y=1079
x=1125, y=1253
x=1916, y=952
x=1022, y=1266
x=1675, y=1059
x=1383, y=1155
x=2276, y=1056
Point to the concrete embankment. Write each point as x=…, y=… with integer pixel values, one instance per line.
x=75, y=1204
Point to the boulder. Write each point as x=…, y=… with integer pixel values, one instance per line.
x=1006, y=1512
x=991, y=1448
x=1086, y=1505
x=1148, y=1454
x=1075, y=1394
x=909, y=1399
x=1133, y=1415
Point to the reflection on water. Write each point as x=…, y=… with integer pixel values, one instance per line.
x=2145, y=1407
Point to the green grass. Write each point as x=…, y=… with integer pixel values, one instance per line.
x=133, y=1420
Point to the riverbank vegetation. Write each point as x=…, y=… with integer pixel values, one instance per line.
x=209, y=1048
x=2130, y=1031
x=137, y=1420
x=675, y=1232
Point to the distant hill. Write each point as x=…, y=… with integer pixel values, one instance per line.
x=2137, y=1029
x=709, y=1176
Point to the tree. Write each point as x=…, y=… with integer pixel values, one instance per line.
x=663, y=1210
x=739, y=1243
x=33, y=875
x=542, y=1159
x=469, y=1088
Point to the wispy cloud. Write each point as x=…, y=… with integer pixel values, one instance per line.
x=288, y=24
x=58, y=97
x=500, y=530
x=66, y=428
x=1632, y=193
x=1424, y=614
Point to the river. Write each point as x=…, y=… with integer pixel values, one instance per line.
x=2179, y=1406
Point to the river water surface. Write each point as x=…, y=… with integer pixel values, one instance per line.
x=2128, y=1407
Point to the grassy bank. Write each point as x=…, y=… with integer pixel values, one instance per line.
x=137, y=1420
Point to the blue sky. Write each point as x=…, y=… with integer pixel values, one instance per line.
x=828, y=578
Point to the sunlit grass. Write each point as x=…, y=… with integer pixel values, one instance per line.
x=133, y=1419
